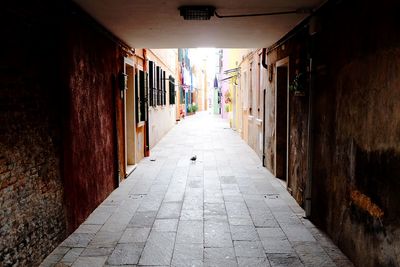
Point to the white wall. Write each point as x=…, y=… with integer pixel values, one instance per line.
x=162, y=118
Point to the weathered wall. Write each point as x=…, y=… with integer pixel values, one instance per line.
x=356, y=155
x=94, y=62
x=357, y=126
x=296, y=50
x=270, y=116
x=32, y=219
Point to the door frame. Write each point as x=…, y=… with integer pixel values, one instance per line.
x=283, y=63
x=128, y=63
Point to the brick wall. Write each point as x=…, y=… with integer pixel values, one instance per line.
x=32, y=219
x=58, y=102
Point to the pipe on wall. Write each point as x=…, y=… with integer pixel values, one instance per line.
x=264, y=58
x=310, y=130
x=264, y=64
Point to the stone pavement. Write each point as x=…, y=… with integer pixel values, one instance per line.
x=225, y=209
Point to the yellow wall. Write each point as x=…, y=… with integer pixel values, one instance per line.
x=252, y=84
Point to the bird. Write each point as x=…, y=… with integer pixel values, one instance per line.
x=193, y=158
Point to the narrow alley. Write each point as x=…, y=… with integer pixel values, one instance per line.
x=223, y=209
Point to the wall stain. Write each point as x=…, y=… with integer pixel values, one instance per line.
x=364, y=202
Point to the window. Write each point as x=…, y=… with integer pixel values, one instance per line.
x=158, y=70
x=171, y=84
x=152, y=83
x=140, y=89
x=164, y=89
x=251, y=89
x=245, y=91
x=161, y=87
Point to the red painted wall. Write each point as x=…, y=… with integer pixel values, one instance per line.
x=90, y=136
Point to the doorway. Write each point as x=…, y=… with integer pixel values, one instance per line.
x=282, y=119
x=130, y=130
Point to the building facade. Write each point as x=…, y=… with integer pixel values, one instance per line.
x=75, y=121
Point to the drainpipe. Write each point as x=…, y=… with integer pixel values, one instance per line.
x=310, y=130
x=116, y=133
x=264, y=58
x=264, y=64
x=146, y=106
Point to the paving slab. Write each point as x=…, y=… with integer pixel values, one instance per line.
x=244, y=233
x=188, y=255
x=220, y=257
x=169, y=210
x=135, y=235
x=158, y=249
x=249, y=249
x=165, y=225
x=190, y=232
x=225, y=209
x=124, y=254
x=253, y=262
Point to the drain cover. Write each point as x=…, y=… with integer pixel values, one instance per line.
x=271, y=196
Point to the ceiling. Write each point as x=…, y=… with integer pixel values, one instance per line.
x=158, y=24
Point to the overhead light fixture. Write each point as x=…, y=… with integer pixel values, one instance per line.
x=197, y=12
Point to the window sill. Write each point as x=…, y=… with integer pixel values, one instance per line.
x=140, y=124
x=259, y=122
x=250, y=117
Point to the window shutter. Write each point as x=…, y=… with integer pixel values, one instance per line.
x=154, y=90
x=137, y=97
x=171, y=90
x=151, y=83
x=164, y=89
x=146, y=96
x=142, y=115
x=158, y=84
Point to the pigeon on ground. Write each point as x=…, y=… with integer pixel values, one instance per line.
x=193, y=158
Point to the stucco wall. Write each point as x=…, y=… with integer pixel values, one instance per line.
x=162, y=118
x=254, y=80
